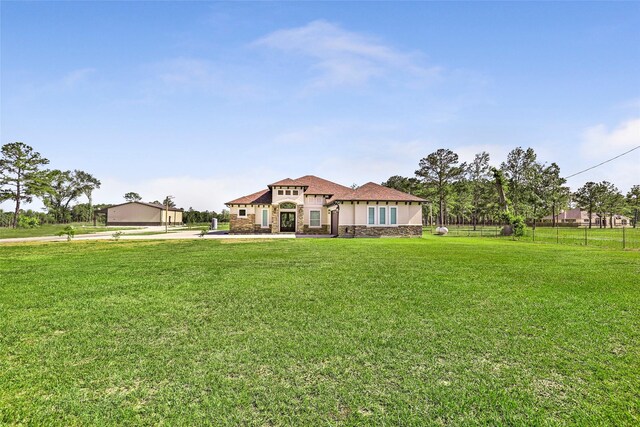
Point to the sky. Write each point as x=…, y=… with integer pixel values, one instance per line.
x=209, y=101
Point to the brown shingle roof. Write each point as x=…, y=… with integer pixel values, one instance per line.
x=321, y=186
x=287, y=182
x=262, y=197
x=372, y=191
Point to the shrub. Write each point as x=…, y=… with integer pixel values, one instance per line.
x=516, y=224
x=28, y=222
x=69, y=231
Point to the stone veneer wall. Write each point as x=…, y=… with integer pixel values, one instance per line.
x=300, y=219
x=275, y=215
x=242, y=225
x=364, y=231
x=324, y=229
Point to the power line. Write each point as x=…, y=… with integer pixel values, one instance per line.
x=600, y=164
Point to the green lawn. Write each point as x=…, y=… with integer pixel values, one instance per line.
x=612, y=238
x=431, y=331
x=53, y=230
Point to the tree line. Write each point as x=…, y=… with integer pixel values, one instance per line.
x=24, y=176
x=521, y=187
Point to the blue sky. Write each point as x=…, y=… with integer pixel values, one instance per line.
x=211, y=101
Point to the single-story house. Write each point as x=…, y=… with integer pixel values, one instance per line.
x=312, y=205
x=580, y=218
x=140, y=213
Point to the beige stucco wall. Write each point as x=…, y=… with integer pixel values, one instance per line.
x=356, y=214
x=133, y=212
x=258, y=211
x=315, y=203
x=276, y=199
x=174, y=216
x=233, y=210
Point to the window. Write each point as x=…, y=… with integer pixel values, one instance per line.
x=383, y=215
x=242, y=213
x=287, y=192
x=371, y=220
x=294, y=192
x=393, y=215
x=314, y=218
x=265, y=218
x=280, y=192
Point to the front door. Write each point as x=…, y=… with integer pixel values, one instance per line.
x=287, y=221
x=334, y=222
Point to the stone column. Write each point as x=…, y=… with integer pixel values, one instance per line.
x=275, y=212
x=300, y=219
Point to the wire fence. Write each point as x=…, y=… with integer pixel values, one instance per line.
x=613, y=238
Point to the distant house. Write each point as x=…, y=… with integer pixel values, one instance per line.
x=580, y=218
x=312, y=205
x=139, y=213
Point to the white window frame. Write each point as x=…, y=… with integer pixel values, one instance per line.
x=375, y=216
x=319, y=218
x=382, y=217
x=262, y=219
x=294, y=192
x=246, y=212
x=280, y=192
x=395, y=209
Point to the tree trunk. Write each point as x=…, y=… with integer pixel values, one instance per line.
x=553, y=215
x=18, y=195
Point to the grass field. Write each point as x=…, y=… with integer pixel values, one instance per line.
x=431, y=331
x=612, y=238
x=53, y=230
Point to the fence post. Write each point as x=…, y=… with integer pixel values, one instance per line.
x=624, y=240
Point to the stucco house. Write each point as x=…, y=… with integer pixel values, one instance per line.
x=312, y=205
x=580, y=218
x=140, y=213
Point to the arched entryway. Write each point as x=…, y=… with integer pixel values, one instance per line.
x=287, y=217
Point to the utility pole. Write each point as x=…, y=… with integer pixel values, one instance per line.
x=166, y=215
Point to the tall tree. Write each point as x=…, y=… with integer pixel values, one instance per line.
x=61, y=192
x=132, y=197
x=613, y=202
x=605, y=192
x=547, y=190
x=519, y=170
x=633, y=202
x=20, y=175
x=589, y=197
x=404, y=184
x=87, y=183
x=439, y=171
x=479, y=184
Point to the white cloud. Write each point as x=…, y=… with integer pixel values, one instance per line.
x=601, y=143
x=344, y=57
x=598, y=140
